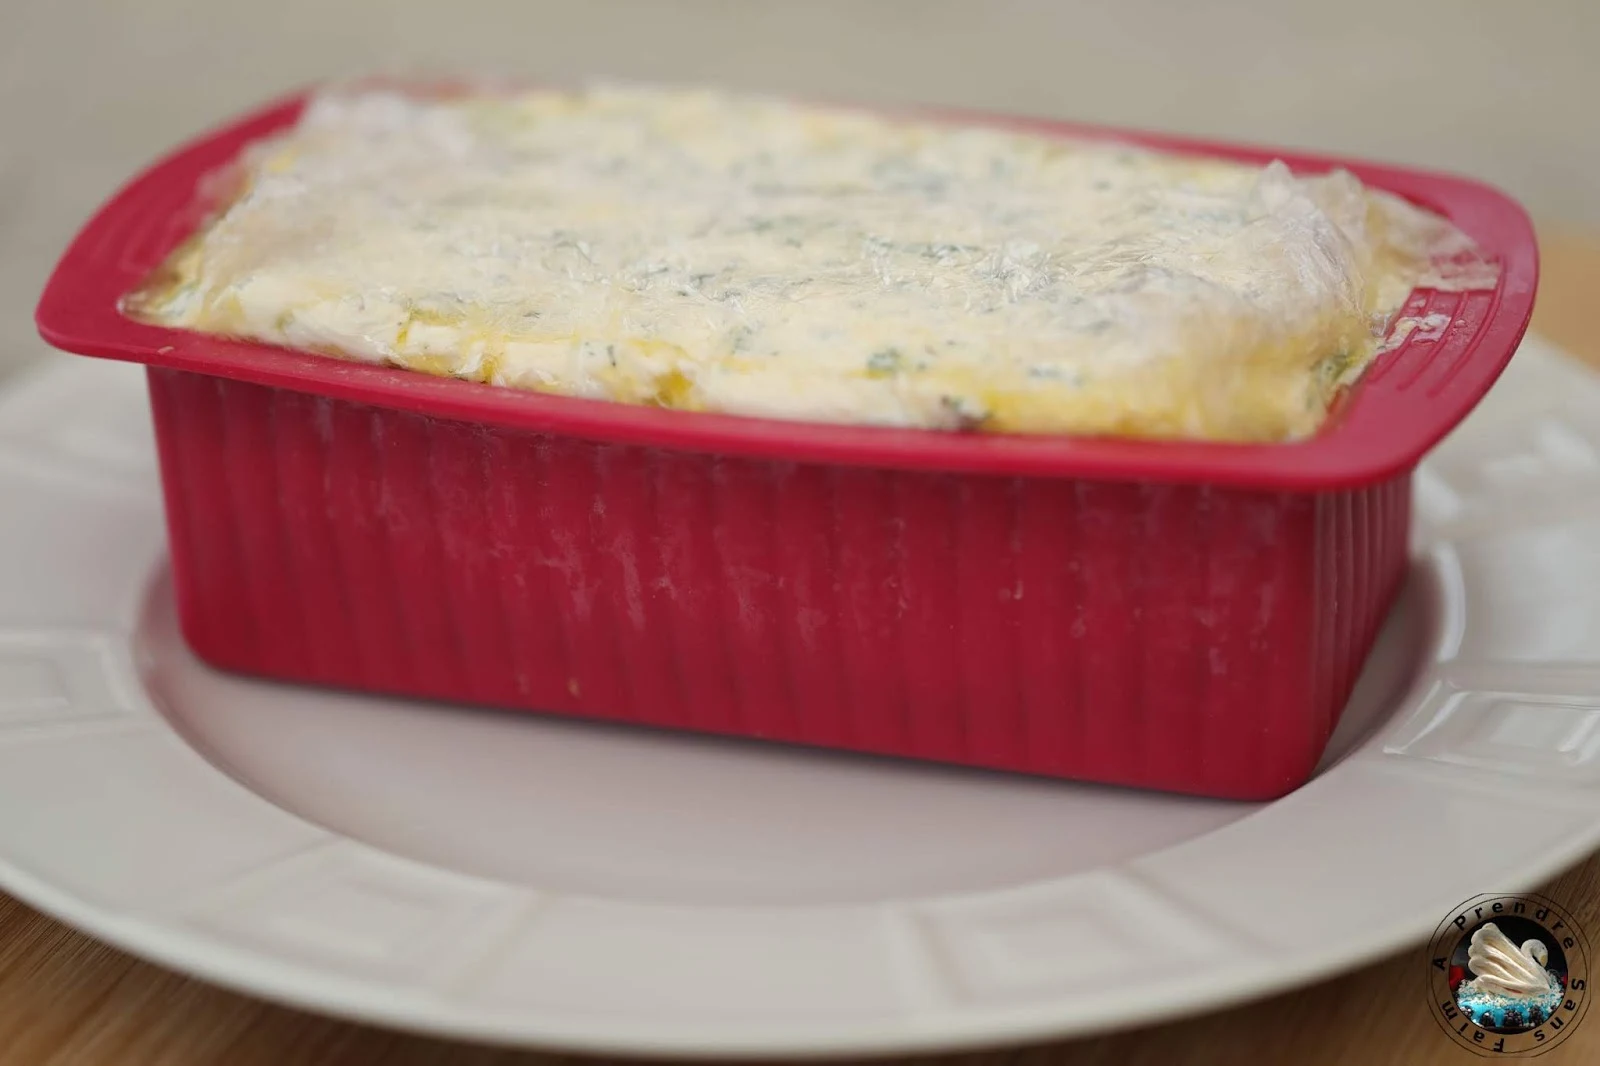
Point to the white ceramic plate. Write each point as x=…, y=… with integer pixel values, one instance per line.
x=527, y=881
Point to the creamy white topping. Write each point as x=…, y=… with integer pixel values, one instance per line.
x=715, y=252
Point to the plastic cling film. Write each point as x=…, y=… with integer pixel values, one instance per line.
x=714, y=252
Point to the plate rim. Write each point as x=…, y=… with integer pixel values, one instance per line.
x=161, y=938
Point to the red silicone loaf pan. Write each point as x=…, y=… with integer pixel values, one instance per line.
x=1177, y=616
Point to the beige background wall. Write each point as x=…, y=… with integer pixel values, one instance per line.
x=1503, y=89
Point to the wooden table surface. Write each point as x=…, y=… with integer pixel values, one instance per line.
x=65, y=999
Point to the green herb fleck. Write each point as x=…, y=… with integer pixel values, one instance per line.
x=1334, y=367
x=884, y=363
x=969, y=416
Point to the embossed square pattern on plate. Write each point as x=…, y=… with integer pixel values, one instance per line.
x=1555, y=737
x=51, y=679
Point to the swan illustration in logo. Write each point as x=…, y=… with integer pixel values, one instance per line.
x=1509, y=986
